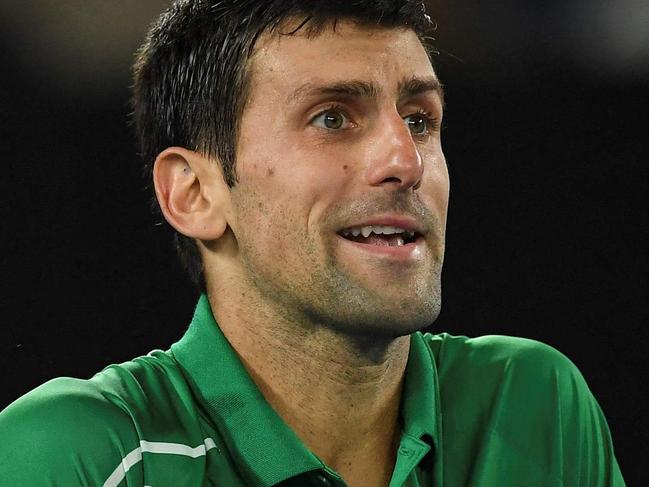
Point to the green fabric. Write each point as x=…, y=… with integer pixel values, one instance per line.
x=478, y=412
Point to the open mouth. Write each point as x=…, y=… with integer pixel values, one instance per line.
x=380, y=235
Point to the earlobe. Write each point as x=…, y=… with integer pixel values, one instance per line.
x=191, y=192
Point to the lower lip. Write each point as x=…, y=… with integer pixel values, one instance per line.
x=404, y=253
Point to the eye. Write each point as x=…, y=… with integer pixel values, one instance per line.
x=332, y=119
x=420, y=123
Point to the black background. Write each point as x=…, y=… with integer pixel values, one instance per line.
x=545, y=136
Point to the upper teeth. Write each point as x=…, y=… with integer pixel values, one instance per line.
x=377, y=229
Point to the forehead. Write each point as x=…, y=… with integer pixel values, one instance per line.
x=286, y=64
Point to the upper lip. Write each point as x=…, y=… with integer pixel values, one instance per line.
x=405, y=222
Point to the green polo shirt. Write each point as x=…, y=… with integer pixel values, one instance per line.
x=490, y=411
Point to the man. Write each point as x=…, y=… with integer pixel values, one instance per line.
x=295, y=148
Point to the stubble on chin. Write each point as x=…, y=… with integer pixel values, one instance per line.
x=358, y=305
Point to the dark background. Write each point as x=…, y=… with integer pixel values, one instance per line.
x=546, y=140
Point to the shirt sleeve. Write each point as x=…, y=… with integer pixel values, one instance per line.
x=63, y=433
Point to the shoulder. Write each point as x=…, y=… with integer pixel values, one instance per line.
x=499, y=355
x=522, y=399
x=48, y=433
x=70, y=429
x=526, y=377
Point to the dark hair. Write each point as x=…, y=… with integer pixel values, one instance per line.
x=191, y=78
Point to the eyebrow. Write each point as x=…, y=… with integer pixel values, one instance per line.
x=416, y=86
x=408, y=88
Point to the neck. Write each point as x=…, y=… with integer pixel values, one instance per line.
x=339, y=394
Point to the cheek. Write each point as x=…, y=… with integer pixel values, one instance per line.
x=301, y=189
x=438, y=184
x=271, y=215
x=262, y=234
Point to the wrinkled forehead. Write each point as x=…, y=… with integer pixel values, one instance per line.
x=289, y=55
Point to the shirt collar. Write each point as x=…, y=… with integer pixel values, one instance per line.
x=252, y=429
x=420, y=400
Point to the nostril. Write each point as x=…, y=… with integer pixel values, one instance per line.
x=391, y=180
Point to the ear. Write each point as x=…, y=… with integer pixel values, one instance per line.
x=191, y=192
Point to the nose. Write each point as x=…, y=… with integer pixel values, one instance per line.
x=394, y=159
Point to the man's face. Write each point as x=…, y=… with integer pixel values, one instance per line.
x=341, y=132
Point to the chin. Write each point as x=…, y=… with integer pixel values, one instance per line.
x=404, y=316
x=356, y=309
x=406, y=325
x=389, y=323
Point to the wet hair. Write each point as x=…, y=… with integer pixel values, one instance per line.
x=191, y=76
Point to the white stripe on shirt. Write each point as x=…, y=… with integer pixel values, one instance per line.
x=155, y=447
